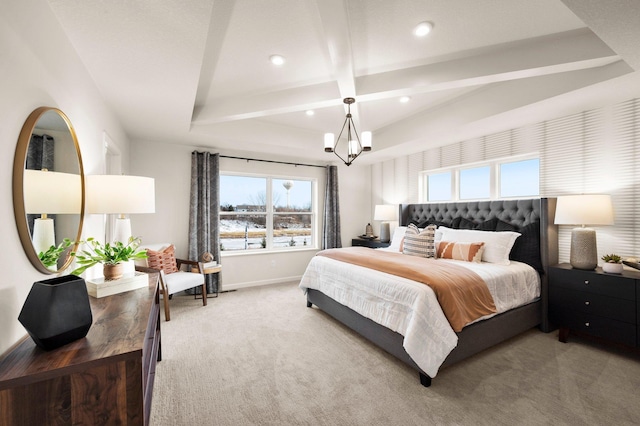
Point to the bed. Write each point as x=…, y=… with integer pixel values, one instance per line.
x=532, y=218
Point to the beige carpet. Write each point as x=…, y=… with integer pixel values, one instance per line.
x=260, y=357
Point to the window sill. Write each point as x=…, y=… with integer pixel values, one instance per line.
x=258, y=252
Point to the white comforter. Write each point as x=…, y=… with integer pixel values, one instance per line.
x=411, y=308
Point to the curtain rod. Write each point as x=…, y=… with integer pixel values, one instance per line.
x=271, y=161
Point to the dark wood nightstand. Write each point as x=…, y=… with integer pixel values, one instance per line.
x=368, y=243
x=595, y=303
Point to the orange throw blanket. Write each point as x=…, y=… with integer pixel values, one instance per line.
x=462, y=294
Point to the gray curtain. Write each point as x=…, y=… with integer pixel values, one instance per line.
x=40, y=153
x=331, y=228
x=39, y=157
x=204, y=212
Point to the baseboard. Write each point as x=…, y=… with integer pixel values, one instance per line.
x=237, y=286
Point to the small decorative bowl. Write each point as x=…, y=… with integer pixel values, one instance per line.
x=612, y=268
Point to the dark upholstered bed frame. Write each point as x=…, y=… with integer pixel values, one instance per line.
x=484, y=334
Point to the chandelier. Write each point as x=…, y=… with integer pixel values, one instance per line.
x=354, y=146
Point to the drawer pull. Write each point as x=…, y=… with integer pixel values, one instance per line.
x=587, y=303
x=586, y=282
x=586, y=324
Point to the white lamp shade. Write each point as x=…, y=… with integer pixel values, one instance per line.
x=385, y=212
x=120, y=194
x=52, y=192
x=588, y=209
x=329, y=141
x=366, y=141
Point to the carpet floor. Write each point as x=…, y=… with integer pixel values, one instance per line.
x=259, y=356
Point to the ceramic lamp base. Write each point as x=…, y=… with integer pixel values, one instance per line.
x=385, y=236
x=584, y=251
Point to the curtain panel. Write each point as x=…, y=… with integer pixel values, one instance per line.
x=331, y=217
x=39, y=157
x=204, y=213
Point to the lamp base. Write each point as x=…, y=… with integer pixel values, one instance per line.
x=122, y=230
x=43, y=234
x=385, y=236
x=584, y=252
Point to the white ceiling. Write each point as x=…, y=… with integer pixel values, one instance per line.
x=198, y=73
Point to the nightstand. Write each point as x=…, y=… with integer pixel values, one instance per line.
x=368, y=243
x=595, y=303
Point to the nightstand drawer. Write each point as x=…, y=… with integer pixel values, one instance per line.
x=588, y=281
x=616, y=331
x=368, y=243
x=609, y=307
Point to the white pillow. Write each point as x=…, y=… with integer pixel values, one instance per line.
x=396, y=240
x=497, y=245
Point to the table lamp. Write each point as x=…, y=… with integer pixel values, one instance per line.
x=47, y=193
x=385, y=213
x=121, y=195
x=583, y=210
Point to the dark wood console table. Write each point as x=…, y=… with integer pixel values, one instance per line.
x=105, y=378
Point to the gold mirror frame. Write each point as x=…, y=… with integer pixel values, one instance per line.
x=19, y=167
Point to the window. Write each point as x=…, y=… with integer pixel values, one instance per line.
x=475, y=184
x=262, y=213
x=503, y=178
x=439, y=187
x=520, y=178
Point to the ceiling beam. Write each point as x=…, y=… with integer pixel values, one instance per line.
x=558, y=53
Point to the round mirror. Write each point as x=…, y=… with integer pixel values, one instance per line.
x=48, y=189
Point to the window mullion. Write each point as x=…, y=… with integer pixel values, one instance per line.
x=269, y=208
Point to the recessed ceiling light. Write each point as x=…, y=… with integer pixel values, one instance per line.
x=310, y=112
x=276, y=59
x=405, y=99
x=422, y=29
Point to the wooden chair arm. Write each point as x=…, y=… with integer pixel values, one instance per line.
x=186, y=262
x=147, y=270
x=192, y=263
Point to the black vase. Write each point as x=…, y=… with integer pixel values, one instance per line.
x=57, y=311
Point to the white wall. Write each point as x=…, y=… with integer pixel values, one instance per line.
x=39, y=67
x=170, y=165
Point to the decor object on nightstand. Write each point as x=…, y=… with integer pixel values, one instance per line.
x=368, y=231
x=588, y=209
x=57, y=311
x=385, y=213
x=613, y=264
x=632, y=262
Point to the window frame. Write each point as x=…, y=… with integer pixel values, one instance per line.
x=270, y=212
x=494, y=178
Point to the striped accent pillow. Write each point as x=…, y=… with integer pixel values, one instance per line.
x=469, y=252
x=418, y=243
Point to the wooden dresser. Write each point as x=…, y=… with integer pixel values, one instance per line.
x=105, y=378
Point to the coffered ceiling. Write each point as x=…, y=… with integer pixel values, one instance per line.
x=198, y=72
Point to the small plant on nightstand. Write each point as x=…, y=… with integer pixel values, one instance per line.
x=613, y=263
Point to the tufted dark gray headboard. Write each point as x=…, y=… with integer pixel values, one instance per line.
x=516, y=212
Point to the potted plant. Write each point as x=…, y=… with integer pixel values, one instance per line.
x=111, y=256
x=50, y=257
x=613, y=264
